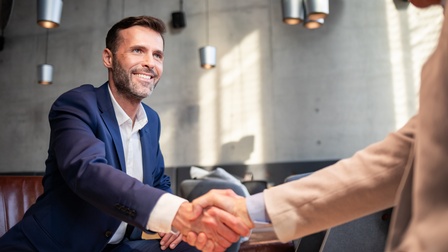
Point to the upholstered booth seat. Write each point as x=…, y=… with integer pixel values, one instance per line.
x=17, y=194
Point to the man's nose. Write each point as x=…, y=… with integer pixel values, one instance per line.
x=149, y=61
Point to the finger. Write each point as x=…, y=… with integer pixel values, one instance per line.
x=218, y=248
x=176, y=241
x=228, y=223
x=165, y=238
x=184, y=238
x=201, y=241
x=219, y=232
x=165, y=241
x=234, y=223
x=172, y=238
x=197, y=211
x=192, y=239
x=209, y=246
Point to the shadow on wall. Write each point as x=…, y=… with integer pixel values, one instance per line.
x=237, y=152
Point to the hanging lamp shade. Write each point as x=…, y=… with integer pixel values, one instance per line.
x=45, y=74
x=317, y=9
x=314, y=24
x=49, y=13
x=293, y=12
x=207, y=55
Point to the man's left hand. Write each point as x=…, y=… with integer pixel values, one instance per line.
x=169, y=240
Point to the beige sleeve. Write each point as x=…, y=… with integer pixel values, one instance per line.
x=349, y=189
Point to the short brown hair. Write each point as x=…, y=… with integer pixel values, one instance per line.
x=113, y=38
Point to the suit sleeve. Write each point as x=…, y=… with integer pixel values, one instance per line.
x=80, y=155
x=354, y=187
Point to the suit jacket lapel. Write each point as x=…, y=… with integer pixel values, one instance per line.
x=108, y=114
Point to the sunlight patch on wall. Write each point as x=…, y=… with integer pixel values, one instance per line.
x=407, y=54
x=230, y=112
x=425, y=25
x=208, y=123
x=240, y=99
x=398, y=73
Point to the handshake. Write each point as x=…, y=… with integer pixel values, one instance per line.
x=213, y=221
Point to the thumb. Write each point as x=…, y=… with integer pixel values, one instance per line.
x=224, y=199
x=197, y=211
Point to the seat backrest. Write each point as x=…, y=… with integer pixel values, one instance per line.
x=367, y=234
x=190, y=189
x=17, y=194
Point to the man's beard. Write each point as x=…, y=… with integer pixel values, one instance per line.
x=128, y=88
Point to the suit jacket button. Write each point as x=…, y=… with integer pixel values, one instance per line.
x=108, y=234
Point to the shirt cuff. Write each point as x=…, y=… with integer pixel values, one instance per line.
x=162, y=215
x=257, y=208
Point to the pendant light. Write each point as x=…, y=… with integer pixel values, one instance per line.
x=49, y=13
x=316, y=9
x=293, y=12
x=207, y=54
x=314, y=24
x=45, y=71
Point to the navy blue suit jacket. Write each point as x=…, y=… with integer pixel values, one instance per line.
x=86, y=190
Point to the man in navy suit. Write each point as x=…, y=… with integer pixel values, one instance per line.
x=104, y=180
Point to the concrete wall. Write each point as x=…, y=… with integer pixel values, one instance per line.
x=278, y=94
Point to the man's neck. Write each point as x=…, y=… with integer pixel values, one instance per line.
x=130, y=106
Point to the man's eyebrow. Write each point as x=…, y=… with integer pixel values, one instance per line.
x=137, y=47
x=159, y=51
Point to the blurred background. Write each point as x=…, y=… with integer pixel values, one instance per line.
x=279, y=96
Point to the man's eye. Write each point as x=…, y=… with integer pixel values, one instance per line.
x=137, y=50
x=158, y=56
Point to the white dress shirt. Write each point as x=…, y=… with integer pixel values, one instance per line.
x=162, y=216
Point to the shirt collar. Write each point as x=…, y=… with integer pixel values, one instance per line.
x=140, y=120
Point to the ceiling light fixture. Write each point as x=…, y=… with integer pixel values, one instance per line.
x=207, y=54
x=45, y=71
x=314, y=24
x=316, y=9
x=309, y=12
x=49, y=13
x=293, y=12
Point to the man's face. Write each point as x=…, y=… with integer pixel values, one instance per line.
x=137, y=65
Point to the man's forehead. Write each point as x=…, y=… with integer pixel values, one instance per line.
x=142, y=34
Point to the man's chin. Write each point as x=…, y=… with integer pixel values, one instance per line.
x=146, y=93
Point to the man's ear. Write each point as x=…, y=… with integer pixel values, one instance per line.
x=107, y=58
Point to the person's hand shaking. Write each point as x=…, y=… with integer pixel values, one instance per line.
x=219, y=229
x=235, y=216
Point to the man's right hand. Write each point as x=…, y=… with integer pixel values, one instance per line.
x=232, y=204
x=219, y=228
